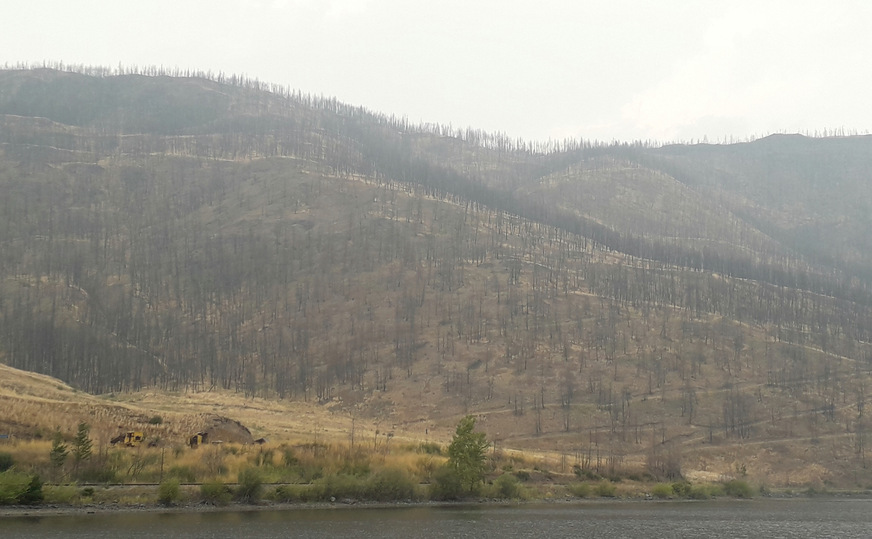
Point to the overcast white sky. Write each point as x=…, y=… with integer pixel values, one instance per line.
x=610, y=69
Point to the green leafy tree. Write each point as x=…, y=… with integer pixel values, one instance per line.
x=467, y=454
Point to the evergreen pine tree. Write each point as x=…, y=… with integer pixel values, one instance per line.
x=59, y=451
x=82, y=444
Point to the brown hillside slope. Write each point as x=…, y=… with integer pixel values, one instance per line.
x=303, y=266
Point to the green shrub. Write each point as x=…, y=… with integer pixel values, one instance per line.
x=6, y=461
x=699, y=493
x=168, y=492
x=584, y=473
x=738, y=489
x=523, y=475
x=61, y=494
x=430, y=448
x=250, y=485
x=334, y=487
x=704, y=492
x=579, y=490
x=662, y=490
x=358, y=466
x=33, y=495
x=20, y=488
x=446, y=484
x=390, y=485
x=290, y=493
x=387, y=485
x=12, y=485
x=308, y=473
x=810, y=491
x=681, y=489
x=639, y=477
x=215, y=492
x=87, y=492
x=185, y=474
x=508, y=486
x=605, y=489
x=155, y=420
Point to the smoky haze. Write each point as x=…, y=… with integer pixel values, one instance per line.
x=546, y=70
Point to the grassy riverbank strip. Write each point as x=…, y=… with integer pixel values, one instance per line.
x=338, y=492
x=320, y=472
x=193, y=506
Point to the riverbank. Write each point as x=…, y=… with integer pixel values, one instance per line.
x=71, y=510
x=46, y=510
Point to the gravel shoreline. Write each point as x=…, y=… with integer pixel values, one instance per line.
x=110, y=508
x=54, y=510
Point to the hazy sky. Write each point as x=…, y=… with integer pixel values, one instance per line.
x=610, y=69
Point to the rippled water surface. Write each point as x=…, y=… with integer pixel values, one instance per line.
x=642, y=520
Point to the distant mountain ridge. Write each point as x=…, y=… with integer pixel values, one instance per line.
x=810, y=195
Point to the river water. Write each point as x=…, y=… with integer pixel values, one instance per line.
x=637, y=520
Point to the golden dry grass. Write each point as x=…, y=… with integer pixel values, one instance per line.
x=35, y=405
